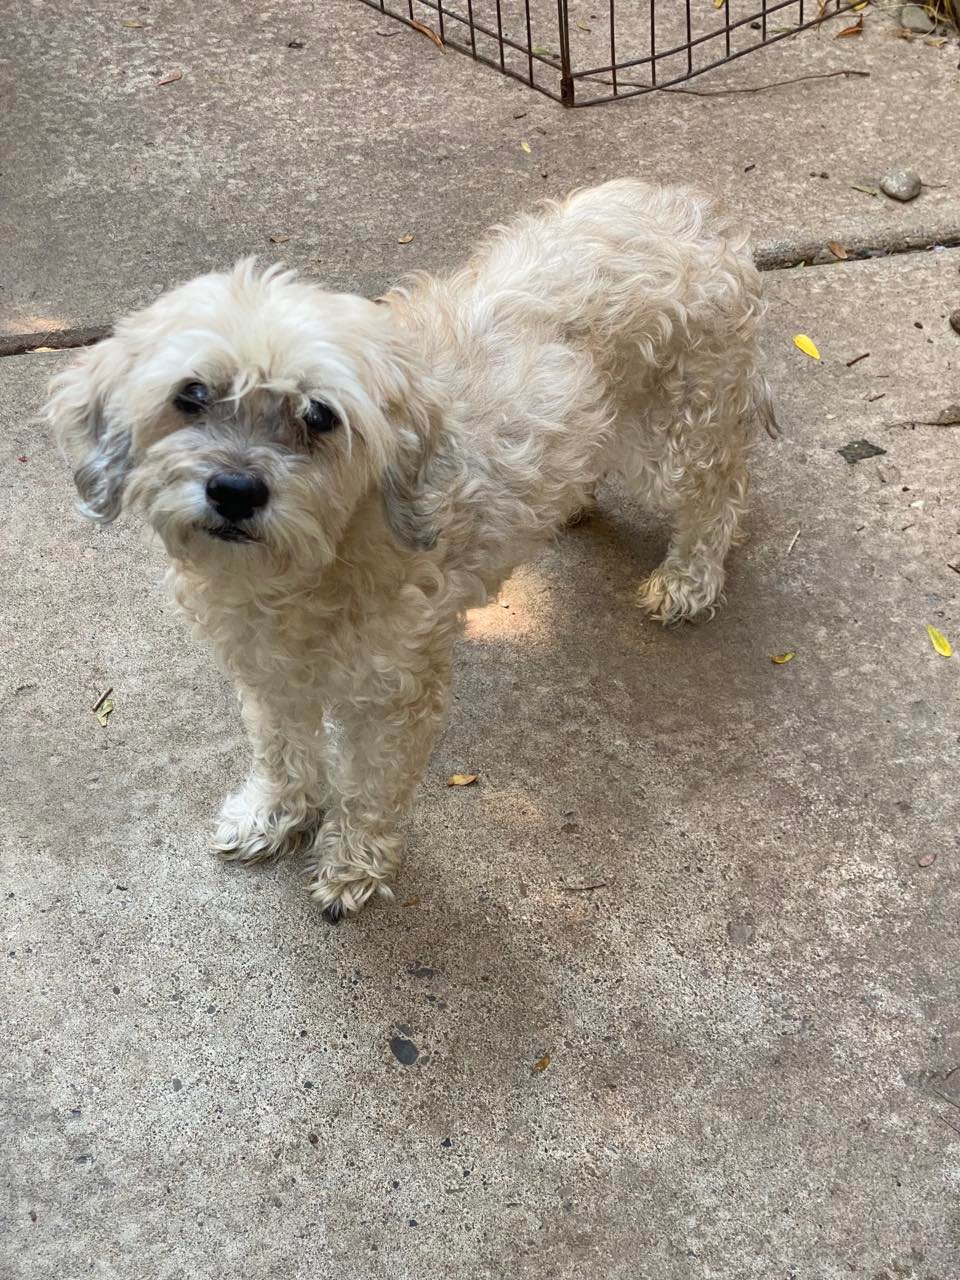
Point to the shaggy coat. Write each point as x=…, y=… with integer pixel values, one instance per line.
x=403, y=457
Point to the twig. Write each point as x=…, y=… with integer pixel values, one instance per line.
x=949, y=1123
x=954, y=567
x=584, y=888
x=946, y=1097
x=857, y=359
x=720, y=93
x=879, y=396
x=102, y=699
x=793, y=542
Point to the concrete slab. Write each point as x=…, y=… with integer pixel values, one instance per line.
x=752, y=1020
x=115, y=187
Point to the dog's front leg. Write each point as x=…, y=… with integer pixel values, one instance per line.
x=278, y=807
x=377, y=759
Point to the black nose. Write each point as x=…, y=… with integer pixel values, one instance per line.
x=236, y=496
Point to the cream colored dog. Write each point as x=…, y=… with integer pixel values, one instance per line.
x=336, y=481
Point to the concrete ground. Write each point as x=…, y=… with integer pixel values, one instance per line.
x=700, y=882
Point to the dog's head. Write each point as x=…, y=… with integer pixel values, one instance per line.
x=249, y=413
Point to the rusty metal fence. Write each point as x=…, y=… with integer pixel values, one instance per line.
x=582, y=53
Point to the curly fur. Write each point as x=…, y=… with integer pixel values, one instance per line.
x=613, y=332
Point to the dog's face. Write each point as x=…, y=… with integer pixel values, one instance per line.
x=247, y=414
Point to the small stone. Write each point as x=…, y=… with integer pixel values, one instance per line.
x=859, y=450
x=901, y=184
x=926, y=860
x=955, y=320
x=405, y=1051
x=915, y=18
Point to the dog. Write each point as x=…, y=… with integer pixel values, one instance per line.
x=337, y=481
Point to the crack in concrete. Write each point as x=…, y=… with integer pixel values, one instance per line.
x=768, y=257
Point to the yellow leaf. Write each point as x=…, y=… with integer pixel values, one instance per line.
x=461, y=779
x=279, y=239
x=406, y=239
x=718, y=4
x=132, y=23
x=781, y=659
x=583, y=26
x=806, y=345
x=525, y=145
x=939, y=641
x=103, y=712
x=862, y=5
x=541, y=1064
x=429, y=33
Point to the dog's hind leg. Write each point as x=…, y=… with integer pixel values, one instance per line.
x=703, y=478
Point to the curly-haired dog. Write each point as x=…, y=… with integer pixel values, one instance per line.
x=337, y=481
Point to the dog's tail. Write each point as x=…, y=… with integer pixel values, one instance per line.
x=763, y=407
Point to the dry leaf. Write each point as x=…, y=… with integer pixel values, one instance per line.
x=806, y=345
x=279, y=239
x=406, y=239
x=525, y=145
x=132, y=23
x=837, y=249
x=781, y=659
x=411, y=902
x=926, y=859
x=858, y=7
x=429, y=33
x=461, y=779
x=939, y=642
x=867, y=191
x=103, y=715
x=541, y=1064
x=583, y=26
x=936, y=42
x=718, y=4
x=855, y=30
x=171, y=77
x=34, y=350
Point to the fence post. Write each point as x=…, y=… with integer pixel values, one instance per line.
x=567, y=88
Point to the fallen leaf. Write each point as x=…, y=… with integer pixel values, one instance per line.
x=525, y=145
x=411, y=902
x=859, y=450
x=867, y=191
x=806, y=345
x=926, y=859
x=855, y=30
x=461, y=779
x=132, y=23
x=34, y=350
x=103, y=715
x=543, y=51
x=583, y=26
x=781, y=659
x=837, y=249
x=406, y=239
x=858, y=7
x=718, y=4
x=428, y=32
x=541, y=1064
x=936, y=42
x=279, y=239
x=171, y=77
x=939, y=642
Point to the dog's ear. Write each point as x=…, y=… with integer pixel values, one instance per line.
x=82, y=409
x=411, y=500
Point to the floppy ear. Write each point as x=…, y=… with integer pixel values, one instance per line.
x=83, y=411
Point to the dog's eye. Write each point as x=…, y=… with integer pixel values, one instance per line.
x=320, y=418
x=192, y=398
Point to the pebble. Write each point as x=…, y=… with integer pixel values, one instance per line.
x=901, y=184
x=915, y=18
x=955, y=320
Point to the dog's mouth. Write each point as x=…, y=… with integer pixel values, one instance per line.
x=228, y=533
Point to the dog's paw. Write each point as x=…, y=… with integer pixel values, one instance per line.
x=672, y=595
x=343, y=875
x=249, y=834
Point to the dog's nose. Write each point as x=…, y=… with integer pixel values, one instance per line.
x=236, y=495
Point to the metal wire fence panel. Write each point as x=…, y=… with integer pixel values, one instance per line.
x=584, y=52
